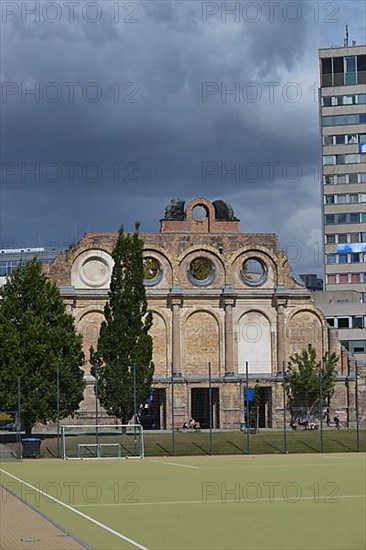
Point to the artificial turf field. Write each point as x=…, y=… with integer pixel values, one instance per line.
x=231, y=502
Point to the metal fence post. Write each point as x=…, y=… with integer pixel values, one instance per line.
x=19, y=420
x=246, y=404
x=134, y=405
x=321, y=404
x=284, y=408
x=96, y=404
x=356, y=407
x=173, y=428
x=134, y=394
x=210, y=404
x=58, y=407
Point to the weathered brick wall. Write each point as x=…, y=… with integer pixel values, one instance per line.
x=89, y=327
x=303, y=328
x=203, y=308
x=159, y=335
x=362, y=394
x=175, y=247
x=201, y=344
x=232, y=405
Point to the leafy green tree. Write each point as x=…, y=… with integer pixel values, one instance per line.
x=124, y=343
x=302, y=378
x=36, y=336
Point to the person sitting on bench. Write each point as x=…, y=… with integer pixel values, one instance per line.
x=311, y=423
x=337, y=422
x=294, y=424
x=194, y=425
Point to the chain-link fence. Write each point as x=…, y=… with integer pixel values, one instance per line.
x=10, y=435
x=252, y=413
x=208, y=412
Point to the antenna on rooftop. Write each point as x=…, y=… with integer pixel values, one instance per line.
x=346, y=38
x=74, y=236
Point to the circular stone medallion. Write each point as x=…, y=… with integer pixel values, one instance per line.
x=94, y=272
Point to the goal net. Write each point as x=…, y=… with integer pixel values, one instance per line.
x=102, y=441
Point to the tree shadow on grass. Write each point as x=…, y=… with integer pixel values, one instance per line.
x=313, y=449
x=166, y=451
x=129, y=451
x=236, y=446
x=200, y=448
x=51, y=453
x=344, y=445
x=277, y=449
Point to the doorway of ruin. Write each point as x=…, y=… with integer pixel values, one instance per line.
x=200, y=407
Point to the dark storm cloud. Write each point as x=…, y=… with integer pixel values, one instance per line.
x=167, y=135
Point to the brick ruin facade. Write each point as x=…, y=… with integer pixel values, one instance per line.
x=219, y=296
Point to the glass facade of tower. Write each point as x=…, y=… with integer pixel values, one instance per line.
x=342, y=114
x=343, y=134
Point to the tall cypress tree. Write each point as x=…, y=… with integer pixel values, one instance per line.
x=124, y=344
x=37, y=336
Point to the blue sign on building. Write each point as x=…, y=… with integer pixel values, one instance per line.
x=249, y=395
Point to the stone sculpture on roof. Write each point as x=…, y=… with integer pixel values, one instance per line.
x=175, y=210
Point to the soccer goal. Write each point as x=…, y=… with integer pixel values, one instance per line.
x=86, y=441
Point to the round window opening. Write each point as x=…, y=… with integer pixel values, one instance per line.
x=201, y=271
x=253, y=272
x=152, y=270
x=199, y=213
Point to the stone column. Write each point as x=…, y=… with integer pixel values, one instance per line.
x=229, y=338
x=280, y=305
x=176, y=337
x=281, y=337
x=334, y=345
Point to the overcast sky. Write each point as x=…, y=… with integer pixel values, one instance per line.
x=131, y=108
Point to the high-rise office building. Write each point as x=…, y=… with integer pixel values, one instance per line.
x=342, y=107
x=11, y=258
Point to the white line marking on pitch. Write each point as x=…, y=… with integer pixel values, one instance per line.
x=255, y=466
x=175, y=464
x=329, y=456
x=116, y=533
x=229, y=501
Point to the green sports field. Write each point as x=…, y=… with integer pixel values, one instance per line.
x=231, y=502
